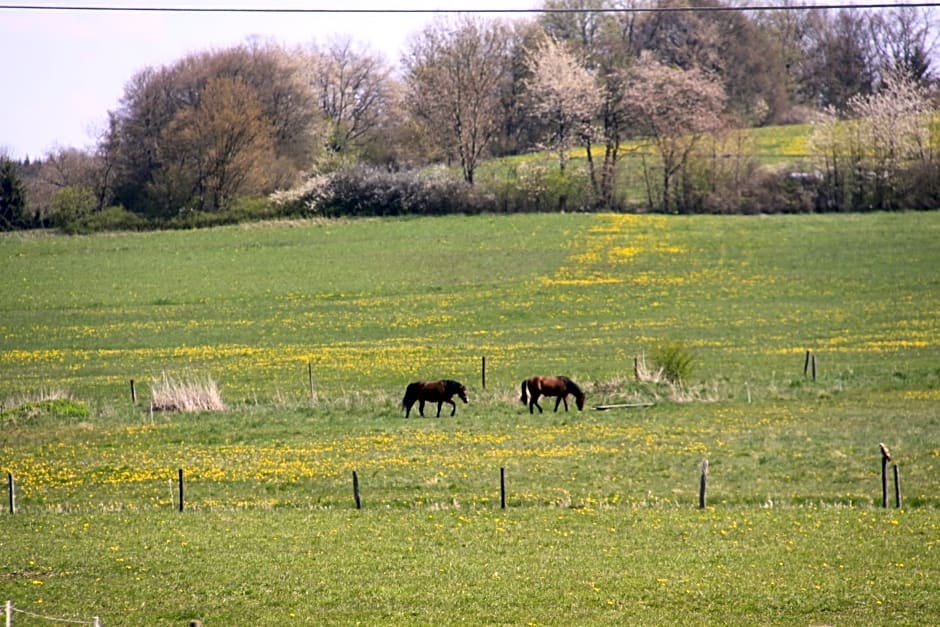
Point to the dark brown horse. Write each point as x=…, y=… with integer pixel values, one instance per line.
x=560, y=387
x=439, y=392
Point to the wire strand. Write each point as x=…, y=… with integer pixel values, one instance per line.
x=52, y=619
x=296, y=10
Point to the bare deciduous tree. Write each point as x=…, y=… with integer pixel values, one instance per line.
x=839, y=60
x=354, y=90
x=905, y=42
x=453, y=80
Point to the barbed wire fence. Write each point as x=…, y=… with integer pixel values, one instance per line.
x=11, y=610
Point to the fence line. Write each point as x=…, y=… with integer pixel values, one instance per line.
x=11, y=609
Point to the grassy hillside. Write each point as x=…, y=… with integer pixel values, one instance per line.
x=372, y=304
x=602, y=525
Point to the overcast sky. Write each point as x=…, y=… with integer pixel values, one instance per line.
x=64, y=70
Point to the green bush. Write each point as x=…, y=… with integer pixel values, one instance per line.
x=71, y=206
x=112, y=219
x=675, y=360
x=33, y=411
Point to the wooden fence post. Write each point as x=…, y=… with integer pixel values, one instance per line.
x=702, y=482
x=356, y=490
x=806, y=363
x=181, y=488
x=897, y=487
x=9, y=613
x=885, y=458
x=11, y=491
x=502, y=488
x=483, y=371
x=313, y=394
x=133, y=393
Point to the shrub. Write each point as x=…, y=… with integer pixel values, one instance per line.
x=71, y=206
x=111, y=219
x=675, y=361
x=367, y=191
x=45, y=403
x=782, y=191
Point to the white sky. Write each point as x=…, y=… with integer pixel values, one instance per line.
x=64, y=70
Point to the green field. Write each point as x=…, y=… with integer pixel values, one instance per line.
x=602, y=524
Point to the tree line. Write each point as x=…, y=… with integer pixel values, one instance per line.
x=262, y=129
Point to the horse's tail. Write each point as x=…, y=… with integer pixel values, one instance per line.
x=524, y=399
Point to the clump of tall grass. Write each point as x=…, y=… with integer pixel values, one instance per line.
x=668, y=377
x=186, y=395
x=674, y=361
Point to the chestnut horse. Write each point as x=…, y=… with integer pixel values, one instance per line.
x=439, y=392
x=550, y=386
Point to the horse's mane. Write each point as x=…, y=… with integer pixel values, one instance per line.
x=451, y=385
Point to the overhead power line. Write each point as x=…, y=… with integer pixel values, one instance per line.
x=289, y=10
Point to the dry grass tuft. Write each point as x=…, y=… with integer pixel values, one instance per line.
x=645, y=374
x=192, y=394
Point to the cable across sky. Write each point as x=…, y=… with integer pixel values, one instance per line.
x=392, y=11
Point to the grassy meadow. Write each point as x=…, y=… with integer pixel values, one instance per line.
x=602, y=524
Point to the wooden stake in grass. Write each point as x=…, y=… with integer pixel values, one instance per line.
x=897, y=486
x=181, y=488
x=702, y=482
x=502, y=488
x=133, y=393
x=885, y=458
x=313, y=393
x=483, y=371
x=11, y=491
x=356, y=490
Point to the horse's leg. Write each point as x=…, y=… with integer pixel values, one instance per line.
x=558, y=402
x=421, y=408
x=408, y=409
x=439, y=403
x=454, y=405
x=535, y=401
x=564, y=399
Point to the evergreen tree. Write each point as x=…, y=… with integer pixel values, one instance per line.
x=12, y=197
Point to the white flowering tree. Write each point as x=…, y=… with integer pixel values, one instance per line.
x=673, y=110
x=863, y=157
x=564, y=97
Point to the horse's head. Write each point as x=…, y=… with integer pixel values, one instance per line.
x=573, y=389
x=458, y=388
